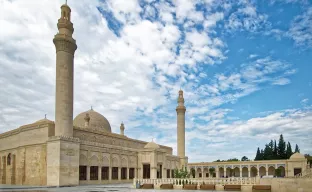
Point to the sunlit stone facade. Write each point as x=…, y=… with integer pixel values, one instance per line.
x=296, y=164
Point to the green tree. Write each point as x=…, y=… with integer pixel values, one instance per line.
x=278, y=172
x=267, y=153
x=211, y=171
x=288, y=151
x=275, y=155
x=258, y=155
x=244, y=158
x=281, y=149
x=297, y=150
x=261, y=154
x=309, y=159
x=233, y=159
x=181, y=173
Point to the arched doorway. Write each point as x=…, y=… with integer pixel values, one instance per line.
x=199, y=173
x=262, y=171
x=245, y=172
x=229, y=172
x=221, y=172
x=253, y=172
x=271, y=171
x=236, y=172
x=280, y=171
x=193, y=172
x=206, y=173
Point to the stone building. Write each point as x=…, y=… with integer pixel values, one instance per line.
x=81, y=150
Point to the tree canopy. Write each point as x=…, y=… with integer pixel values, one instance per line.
x=276, y=151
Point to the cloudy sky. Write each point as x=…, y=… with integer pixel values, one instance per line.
x=245, y=68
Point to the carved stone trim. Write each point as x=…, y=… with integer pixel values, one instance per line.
x=64, y=138
x=64, y=43
x=271, y=165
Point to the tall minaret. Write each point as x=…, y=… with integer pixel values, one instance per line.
x=181, y=128
x=65, y=49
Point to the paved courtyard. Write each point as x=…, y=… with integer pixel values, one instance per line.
x=85, y=188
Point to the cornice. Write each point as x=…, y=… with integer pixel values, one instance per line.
x=63, y=138
x=27, y=127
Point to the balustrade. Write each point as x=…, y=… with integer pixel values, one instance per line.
x=198, y=181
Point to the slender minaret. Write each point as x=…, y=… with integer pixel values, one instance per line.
x=65, y=49
x=181, y=128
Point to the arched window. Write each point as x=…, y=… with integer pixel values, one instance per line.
x=63, y=15
x=9, y=159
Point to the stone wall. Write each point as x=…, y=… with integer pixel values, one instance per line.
x=27, y=167
x=27, y=148
x=288, y=184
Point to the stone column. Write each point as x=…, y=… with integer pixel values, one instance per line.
x=110, y=173
x=119, y=173
x=153, y=173
x=224, y=172
x=217, y=172
x=181, y=128
x=128, y=173
x=249, y=169
x=100, y=174
x=88, y=173
x=240, y=171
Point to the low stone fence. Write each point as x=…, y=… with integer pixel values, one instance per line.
x=198, y=182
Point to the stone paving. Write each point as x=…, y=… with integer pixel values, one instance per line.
x=84, y=188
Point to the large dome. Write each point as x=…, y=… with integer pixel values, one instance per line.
x=93, y=120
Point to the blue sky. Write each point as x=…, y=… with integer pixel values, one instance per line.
x=244, y=66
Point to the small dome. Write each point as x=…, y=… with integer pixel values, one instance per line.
x=92, y=119
x=151, y=145
x=297, y=156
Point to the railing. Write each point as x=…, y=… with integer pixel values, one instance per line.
x=181, y=182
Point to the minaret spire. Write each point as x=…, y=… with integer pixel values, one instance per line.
x=65, y=47
x=181, y=129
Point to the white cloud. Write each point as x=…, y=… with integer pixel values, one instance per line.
x=134, y=76
x=247, y=18
x=301, y=30
x=281, y=81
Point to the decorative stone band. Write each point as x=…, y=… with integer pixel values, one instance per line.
x=281, y=165
x=236, y=166
x=262, y=165
x=271, y=165
x=64, y=138
x=64, y=43
x=64, y=23
x=180, y=109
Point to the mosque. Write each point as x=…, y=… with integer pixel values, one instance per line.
x=83, y=150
